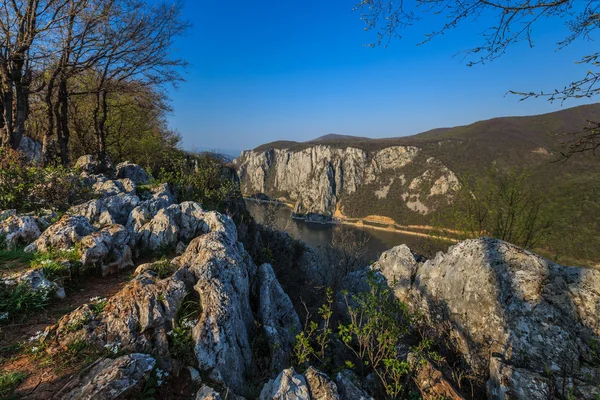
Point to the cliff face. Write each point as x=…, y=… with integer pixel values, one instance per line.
x=326, y=181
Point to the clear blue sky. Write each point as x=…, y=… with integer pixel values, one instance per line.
x=295, y=70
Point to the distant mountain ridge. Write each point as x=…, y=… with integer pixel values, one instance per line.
x=407, y=179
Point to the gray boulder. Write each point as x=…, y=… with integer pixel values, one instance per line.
x=537, y=319
x=347, y=389
x=132, y=171
x=136, y=319
x=174, y=224
x=320, y=386
x=108, y=247
x=221, y=269
x=278, y=317
x=287, y=386
x=63, y=235
x=16, y=230
x=108, y=379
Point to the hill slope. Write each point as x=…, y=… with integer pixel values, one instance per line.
x=408, y=179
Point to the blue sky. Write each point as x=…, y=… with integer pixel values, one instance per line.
x=296, y=70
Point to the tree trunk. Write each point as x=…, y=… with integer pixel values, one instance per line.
x=46, y=151
x=63, y=121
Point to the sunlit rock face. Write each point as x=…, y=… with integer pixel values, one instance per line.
x=322, y=179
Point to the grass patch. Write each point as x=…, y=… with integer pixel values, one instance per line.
x=9, y=382
x=17, y=255
x=164, y=268
x=181, y=344
x=21, y=301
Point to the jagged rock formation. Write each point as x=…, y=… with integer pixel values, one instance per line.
x=108, y=379
x=322, y=179
x=278, y=317
x=520, y=319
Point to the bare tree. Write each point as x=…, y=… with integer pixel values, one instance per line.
x=346, y=253
x=140, y=55
x=23, y=24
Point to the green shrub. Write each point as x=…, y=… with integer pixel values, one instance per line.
x=378, y=323
x=20, y=300
x=203, y=178
x=9, y=381
x=26, y=187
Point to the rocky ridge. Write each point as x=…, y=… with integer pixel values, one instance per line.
x=319, y=179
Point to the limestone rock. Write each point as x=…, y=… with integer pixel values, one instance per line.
x=399, y=265
x=107, y=247
x=36, y=280
x=107, y=188
x=31, y=149
x=278, y=317
x=136, y=319
x=160, y=198
x=320, y=386
x=347, y=389
x=63, y=235
x=431, y=382
x=533, y=315
x=88, y=164
x=16, y=230
x=319, y=177
x=174, y=224
x=221, y=268
x=287, y=386
x=207, y=393
x=109, y=379
x=133, y=172
x=508, y=382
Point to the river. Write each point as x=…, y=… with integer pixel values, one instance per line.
x=317, y=234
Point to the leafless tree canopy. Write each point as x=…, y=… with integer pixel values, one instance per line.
x=514, y=22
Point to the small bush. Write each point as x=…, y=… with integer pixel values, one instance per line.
x=21, y=300
x=9, y=381
x=181, y=343
x=203, y=179
x=26, y=187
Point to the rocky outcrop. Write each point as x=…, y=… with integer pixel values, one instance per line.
x=431, y=382
x=31, y=149
x=171, y=225
x=312, y=385
x=322, y=179
x=347, y=389
x=109, y=247
x=136, y=319
x=109, y=379
x=524, y=321
x=221, y=269
x=36, y=281
x=132, y=171
x=18, y=230
x=288, y=385
x=63, y=235
x=320, y=386
x=278, y=317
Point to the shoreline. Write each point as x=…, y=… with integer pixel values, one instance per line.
x=365, y=223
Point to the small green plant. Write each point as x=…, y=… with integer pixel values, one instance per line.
x=21, y=300
x=181, y=343
x=97, y=304
x=378, y=322
x=313, y=341
x=163, y=268
x=9, y=381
